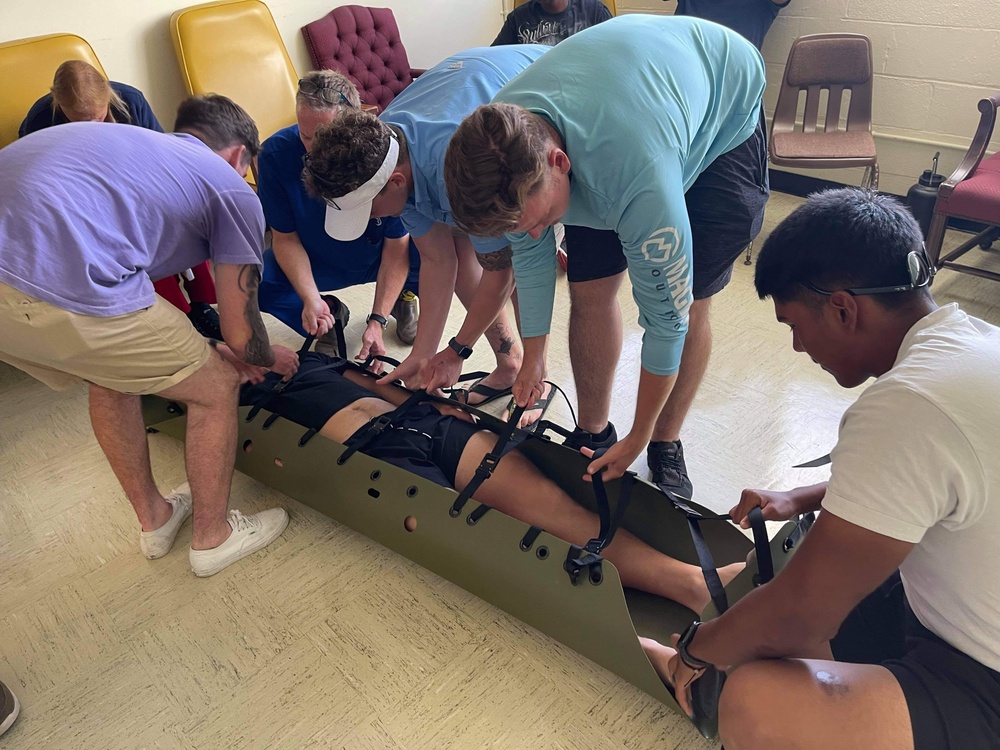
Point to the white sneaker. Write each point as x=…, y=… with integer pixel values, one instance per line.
x=155, y=544
x=250, y=533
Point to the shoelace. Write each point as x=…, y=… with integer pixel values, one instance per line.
x=239, y=522
x=667, y=462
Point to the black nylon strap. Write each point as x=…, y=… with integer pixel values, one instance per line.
x=504, y=445
x=474, y=516
x=528, y=540
x=377, y=425
x=765, y=565
x=609, y=523
x=715, y=588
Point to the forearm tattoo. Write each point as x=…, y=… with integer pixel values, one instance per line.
x=258, y=349
x=499, y=260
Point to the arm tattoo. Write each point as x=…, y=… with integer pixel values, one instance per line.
x=499, y=260
x=505, y=341
x=258, y=348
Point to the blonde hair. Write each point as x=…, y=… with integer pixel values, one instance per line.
x=496, y=160
x=327, y=80
x=78, y=85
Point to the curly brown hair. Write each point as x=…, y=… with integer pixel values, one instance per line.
x=346, y=153
x=496, y=160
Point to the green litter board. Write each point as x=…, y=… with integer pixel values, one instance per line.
x=486, y=557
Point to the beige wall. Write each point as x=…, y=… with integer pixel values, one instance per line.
x=934, y=60
x=132, y=38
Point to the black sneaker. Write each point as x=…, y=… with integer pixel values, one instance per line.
x=9, y=708
x=583, y=439
x=205, y=320
x=667, y=469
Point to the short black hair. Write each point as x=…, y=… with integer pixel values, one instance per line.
x=849, y=237
x=219, y=122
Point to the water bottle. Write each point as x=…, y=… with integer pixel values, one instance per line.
x=922, y=196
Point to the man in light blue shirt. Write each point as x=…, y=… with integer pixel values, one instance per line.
x=648, y=133
x=394, y=166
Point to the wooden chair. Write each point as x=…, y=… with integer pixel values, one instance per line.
x=364, y=44
x=835, y=63
x=233, y=48
x=972, y=192
x=26, y=70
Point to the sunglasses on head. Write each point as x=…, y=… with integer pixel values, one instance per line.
x=326, y=93
x=920, y=270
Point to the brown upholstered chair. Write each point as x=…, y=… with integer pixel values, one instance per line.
x=835, y=63
x=972, y=192
x=26, y=68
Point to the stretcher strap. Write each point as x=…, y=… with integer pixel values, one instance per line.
x=765, y=565
x=474, y=516
x=589, y=556
x=528, y=540
x=280, y=385
x=504, y=445
x=715, y=588
x=377, y=426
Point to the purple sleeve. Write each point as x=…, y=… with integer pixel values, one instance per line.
x=236, y=228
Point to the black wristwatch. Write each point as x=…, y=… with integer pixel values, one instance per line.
x=380, y=319
x=682, y=648
x=461, y=350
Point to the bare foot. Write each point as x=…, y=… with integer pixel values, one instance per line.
x=535, y=413
x=659, y=656
x=726, y=574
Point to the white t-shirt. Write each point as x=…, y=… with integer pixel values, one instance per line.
x=918, y=459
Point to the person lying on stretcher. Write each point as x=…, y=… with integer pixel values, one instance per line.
x=432, y=442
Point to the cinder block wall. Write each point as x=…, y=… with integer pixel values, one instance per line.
x=934, y=60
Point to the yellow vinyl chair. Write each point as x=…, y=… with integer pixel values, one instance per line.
x=233, y=48
x=26, y=70
x=610, y=3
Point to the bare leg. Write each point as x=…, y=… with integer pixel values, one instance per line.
x=521, y=491
x=827, y=705
x=595, y=344
x=501, y=335
x=210, y=396
x=694, y=362
x=117, y=422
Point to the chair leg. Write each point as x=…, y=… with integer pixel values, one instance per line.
x=748, y=259
x=870, y=179
x=935, y=237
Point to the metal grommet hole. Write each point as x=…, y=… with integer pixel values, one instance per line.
x=410, y=523
x=596, y=577
x=542, y=552
x=524, y=546
x=247, y=446
x=375, y=475
x=411, y=491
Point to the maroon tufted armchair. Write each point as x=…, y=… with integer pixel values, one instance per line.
x=364, y=44
x=972, y=192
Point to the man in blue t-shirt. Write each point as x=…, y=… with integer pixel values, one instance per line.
x=305, y=259
x=394, y=166
x=78, y=251
x=548, y=22
x=661, y=154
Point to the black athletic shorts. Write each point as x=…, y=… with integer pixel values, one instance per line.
x=726, y=209
x=424, y=442
x=953, y=700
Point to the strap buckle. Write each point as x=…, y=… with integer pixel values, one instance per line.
x=579, y=559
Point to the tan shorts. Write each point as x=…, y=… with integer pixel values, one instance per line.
x=138, y=353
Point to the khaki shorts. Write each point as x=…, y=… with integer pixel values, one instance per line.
x=138, y=353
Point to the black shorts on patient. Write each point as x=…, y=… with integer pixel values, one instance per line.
x=422, y=441
x=953, y=700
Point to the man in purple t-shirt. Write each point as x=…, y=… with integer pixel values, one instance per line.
x=89, y=213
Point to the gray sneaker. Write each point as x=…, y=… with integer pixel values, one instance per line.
x=407, y=315
x=9, y=708
x=250, y=533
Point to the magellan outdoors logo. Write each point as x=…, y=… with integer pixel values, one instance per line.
x=674, y=279
x=660, y=245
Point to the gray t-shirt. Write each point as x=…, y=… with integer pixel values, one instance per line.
x=530, y=24
x=91, y=213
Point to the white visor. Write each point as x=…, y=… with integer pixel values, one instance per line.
x=347, y=217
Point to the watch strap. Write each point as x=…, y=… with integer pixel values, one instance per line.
x=682, y=648
x=380, y=319
x=461, y=350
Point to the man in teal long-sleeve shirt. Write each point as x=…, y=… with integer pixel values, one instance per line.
x=647, y=135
